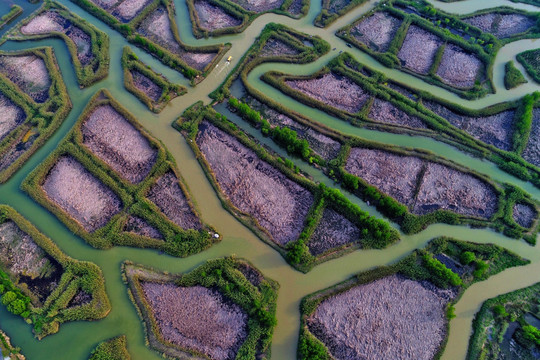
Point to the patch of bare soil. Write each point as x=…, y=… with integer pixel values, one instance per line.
x=250, y=273
x=377, y=31
x=51, y=21
x=322, y=145
x=259, y=5
x=445, y=188
x=334, y=6
x=334, y=90
x=80, y=299
x=255, y=187
x=29, y=73
x=157, y=27
x=524, y=215
x=146, y=85
x=118, y=143
x=86, y=199
x=141, y=227
x=25, y=260
x=495, y=130
x=105, y=4
x=333, y=231
x=532, y=150
x=501, y=25
x=390, y=318
x=418, y=50
x=213, y=17
x=197, y=318
x=295, y=8
x=15, y=150
x=458, y=68
x=387, y=113
x=275, y=47
x=167, y=194
x=12, y=116
x=128, y=9
x=394, y=175
x=403, y=91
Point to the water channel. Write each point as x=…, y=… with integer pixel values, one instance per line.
x=75, y=340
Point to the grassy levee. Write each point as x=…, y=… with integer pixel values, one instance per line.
x=112, y=349
x=98, y=68
x=421, y=265
x=531, y=62
x=512, y=76
x=169, y=91
x=376, y=234
x=177, y=241
x=166, y=56
x=224, y=275
x=451, y=30
x=496, y=313
x=236, y=11
x=47, y=317
x=13, y=13
x=326, y=17
x=42, y=119
x=438, y=128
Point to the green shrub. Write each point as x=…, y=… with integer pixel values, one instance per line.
x=467, y=257
x=512, y=76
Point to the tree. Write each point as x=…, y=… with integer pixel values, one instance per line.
x=16, y=307
x=8, y=297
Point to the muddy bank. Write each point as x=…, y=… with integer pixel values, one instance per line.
x=16, y=150
x=70, y=186
x=259, y=5
x=25, y=260
x=113, y=139
x=213, y=17
x=387, y=113
x=376, y=31
x=495, y=130
x=128, y=9
x=141, y=227
x=12, y=116
x=422, y=185
x=524, y=215
x=418, y=50
x=275, y=47
x=390, y=318
x=334, y=90
x=458, y=68
x=197, y=318
x=146, y=85
x=157, y=27
x=394, y=175
x=333, y=231
x=532, y=150
x=167, y=194
x=277, y=203
x=445, y=188
x=29, y=73
x=501, y=25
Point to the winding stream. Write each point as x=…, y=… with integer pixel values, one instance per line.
x=75, y=340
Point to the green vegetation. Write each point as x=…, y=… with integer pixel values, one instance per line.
x=47, y=315
x=492, y=324
x=531, y=62
x=414, y=267
x=170, y=58
x=375, y=233
x=13, y=13
x=176, y=240
x=512, y=76
x=42, y=119
x=229, y=276
x=97, y=68
x=112, y=349
x=169, y=91
x=331, y=11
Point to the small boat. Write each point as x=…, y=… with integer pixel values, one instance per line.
x=229, y=59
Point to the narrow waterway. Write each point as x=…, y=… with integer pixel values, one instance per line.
x=75, y=340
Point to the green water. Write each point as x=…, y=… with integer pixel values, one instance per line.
x=75, y=340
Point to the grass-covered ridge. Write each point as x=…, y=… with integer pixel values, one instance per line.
x=123, y=227
x=13, y=13
x=76, y=279
x=445, y=265
x=234, y=281
x=133, y=68
x=375, y=233
x=88, y=46
x=334, y=9
x=112, y=349
x=512, y=76
x=40, y=119
x=531, y=62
